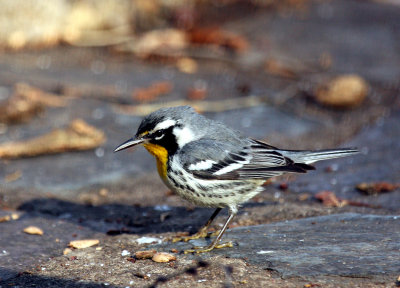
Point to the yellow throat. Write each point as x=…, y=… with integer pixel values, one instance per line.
x=161, y=155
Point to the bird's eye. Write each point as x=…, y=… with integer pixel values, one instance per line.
x=158, y=134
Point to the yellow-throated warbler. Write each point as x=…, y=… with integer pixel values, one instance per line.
x=211, y=165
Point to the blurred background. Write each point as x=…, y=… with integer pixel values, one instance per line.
x=77, y=76
x=296, y=73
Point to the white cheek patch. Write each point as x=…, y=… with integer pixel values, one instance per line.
x=202, y=165
x=165, y=124
x=183, y=136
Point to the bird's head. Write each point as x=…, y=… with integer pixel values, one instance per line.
x=170, y=128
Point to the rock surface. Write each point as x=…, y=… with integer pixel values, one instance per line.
x=352, y=245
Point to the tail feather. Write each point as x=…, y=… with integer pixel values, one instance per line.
x=309, y=157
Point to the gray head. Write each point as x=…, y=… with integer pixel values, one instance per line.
x=170, y=128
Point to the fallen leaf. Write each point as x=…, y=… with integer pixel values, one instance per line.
x=19, y=109
x=346, y=91
x=146, y=254
x=13, y=176
x=376, y=187
x=156, y=42
x=6, y=218
x=329, y=199
x=37, y=95
x=163, y=257
x=152, y=92
x=197, y=93
x=276, y=68
x=78, y=136
x=80, y=244
x=27, y=102
x=33, y=230
x=218, y=37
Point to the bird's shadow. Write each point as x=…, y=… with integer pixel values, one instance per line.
x=114, y=219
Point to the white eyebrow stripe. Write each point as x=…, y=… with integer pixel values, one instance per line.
x=165, y=124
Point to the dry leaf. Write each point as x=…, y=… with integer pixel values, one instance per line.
x=346, y=91
x=218, y=37
x=5, y=218
x=163, y=257
x=146, y=254
x=26, y=102
x=78, y=136
x=152, y=92
x=13, y=176
x=37, y=95
x=33, y=230
x=376, y=188
x=156, y=42
x=13, y=216
x=80, y=244
x=197, y=93
x=329, y=199
x=19, y=109
x=277, y=68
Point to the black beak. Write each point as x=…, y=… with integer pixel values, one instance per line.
x=129, y=143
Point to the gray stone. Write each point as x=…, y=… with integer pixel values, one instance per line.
x=348, y=244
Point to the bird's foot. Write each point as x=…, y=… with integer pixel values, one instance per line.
x=213, y=246
x=202, y=233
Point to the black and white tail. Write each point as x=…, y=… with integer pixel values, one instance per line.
x=309, y=157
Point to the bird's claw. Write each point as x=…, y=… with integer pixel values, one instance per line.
x=199, y=250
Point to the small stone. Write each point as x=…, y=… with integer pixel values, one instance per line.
x=376, y=187
x=346, y=91
x=33, y=230
x=67, y=251
x=5, y=218
x=163, y=257
x=80, y=244
x=146, y=254
x=103, y=192
x=187, y=65
x=329, y=199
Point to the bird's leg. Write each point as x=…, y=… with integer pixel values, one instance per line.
x=202, y=233
x=215, y=244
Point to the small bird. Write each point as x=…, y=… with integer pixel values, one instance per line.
x=211, y=165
